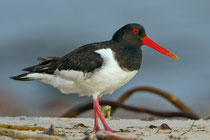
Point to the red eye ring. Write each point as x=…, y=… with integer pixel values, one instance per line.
x=135, y=31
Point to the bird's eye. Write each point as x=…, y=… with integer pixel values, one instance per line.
x=135, y=31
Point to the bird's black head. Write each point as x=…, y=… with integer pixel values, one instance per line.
x=134, y=35
x=130, y=34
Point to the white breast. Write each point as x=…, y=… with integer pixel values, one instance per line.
x=111, y=77
x=103, y=80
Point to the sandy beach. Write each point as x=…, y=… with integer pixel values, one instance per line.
x=80, y=128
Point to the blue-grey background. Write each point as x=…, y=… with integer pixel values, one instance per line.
x=55, y=27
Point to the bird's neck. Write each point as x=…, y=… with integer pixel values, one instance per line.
x=129, y=57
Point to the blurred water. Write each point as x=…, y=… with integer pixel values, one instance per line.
x=53, y=28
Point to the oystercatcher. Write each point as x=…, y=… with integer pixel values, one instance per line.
x=96, y=69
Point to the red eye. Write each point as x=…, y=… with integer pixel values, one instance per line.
x=135, y=31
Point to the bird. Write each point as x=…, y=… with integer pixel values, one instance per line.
x=97, y=68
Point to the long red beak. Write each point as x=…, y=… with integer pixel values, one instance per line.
x=147, y=41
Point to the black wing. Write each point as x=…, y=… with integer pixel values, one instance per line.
x=82, y=59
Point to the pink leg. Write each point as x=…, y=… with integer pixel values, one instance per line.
x=98, y=109
x=96, y=125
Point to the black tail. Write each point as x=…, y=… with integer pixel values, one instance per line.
x=46, y=66
x=21, y=77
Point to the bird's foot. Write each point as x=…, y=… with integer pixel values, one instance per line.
x=110, y=130
x=96, y=129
